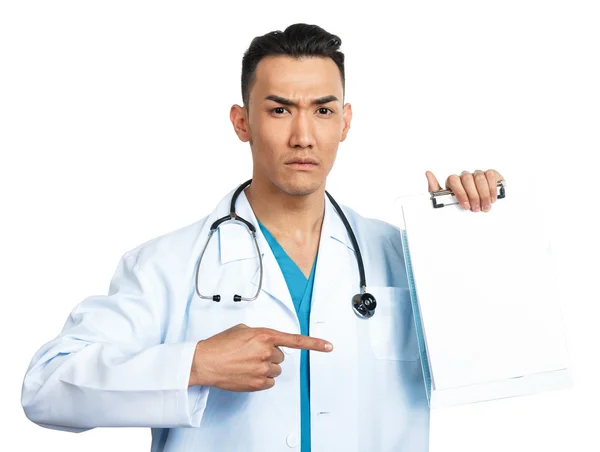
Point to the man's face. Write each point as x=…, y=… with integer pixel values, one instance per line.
x=295, y=115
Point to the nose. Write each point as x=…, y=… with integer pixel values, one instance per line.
x=302, y=135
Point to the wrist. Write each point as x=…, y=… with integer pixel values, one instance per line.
x=197, y=372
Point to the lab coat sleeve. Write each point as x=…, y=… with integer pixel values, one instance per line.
x=109, y=366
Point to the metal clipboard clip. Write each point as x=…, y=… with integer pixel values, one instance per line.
x=435, y=194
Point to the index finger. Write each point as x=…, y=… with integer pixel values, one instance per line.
x=302, y=342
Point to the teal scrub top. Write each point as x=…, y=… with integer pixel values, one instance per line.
x=301, y=291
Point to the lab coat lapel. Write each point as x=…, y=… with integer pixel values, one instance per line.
x=336, y=267
x=273, y=281
x=236, y=244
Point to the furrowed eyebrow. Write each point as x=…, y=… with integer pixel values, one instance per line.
x=291, y=103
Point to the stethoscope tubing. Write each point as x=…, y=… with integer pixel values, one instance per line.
x=358, y=303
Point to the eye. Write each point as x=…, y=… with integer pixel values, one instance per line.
x=278, y=110
x=324, y=110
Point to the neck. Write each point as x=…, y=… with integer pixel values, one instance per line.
x=284, y=215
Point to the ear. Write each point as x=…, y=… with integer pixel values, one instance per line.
x=239, y=119
x=346, y=118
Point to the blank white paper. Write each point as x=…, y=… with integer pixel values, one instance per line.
x=486, y=289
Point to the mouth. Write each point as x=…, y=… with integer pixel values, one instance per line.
x=302, y=164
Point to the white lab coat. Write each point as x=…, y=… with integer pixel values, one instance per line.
x=124, y=359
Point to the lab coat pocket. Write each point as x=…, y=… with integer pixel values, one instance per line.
x=392, y=328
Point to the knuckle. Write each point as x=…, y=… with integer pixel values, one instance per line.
x=263, y=336
x=452, y=179
x=264, y=355
x=265, y=369
x=262, y=383
x=279, y=358
x=258, y=383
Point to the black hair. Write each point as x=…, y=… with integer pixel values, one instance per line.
x=298, y=40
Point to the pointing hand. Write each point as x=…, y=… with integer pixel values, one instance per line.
x=246, y=359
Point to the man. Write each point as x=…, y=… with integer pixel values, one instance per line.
x=208, y=373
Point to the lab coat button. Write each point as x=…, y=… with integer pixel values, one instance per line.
x=292, y=440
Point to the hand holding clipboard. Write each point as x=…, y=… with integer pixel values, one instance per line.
x=476, y=191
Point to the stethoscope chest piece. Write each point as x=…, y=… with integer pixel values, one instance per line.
x=364, y=305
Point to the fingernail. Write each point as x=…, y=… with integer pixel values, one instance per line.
x=476, y=208
x=466, y=205
x=486, y=208
x=328, y=346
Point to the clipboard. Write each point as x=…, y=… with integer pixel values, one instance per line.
x=484, y=299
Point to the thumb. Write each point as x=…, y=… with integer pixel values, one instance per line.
x=433, y=183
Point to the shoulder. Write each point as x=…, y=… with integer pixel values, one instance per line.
x=381, y=248
x=376, y=229
x=172, y=251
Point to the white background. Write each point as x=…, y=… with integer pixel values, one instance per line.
x=114, y=129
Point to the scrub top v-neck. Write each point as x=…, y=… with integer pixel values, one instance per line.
x=301, y=292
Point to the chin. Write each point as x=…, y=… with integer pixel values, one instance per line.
x=299, y=187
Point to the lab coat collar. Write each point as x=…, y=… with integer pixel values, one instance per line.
x=235, y=243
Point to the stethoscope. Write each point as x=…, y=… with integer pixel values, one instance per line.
x=363, y=303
